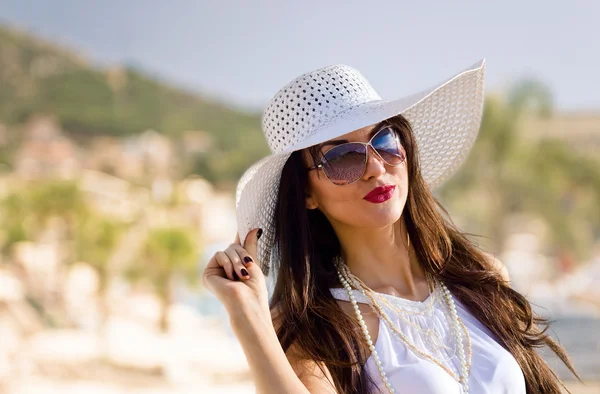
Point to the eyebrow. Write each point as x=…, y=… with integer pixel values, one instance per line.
x=337, y=142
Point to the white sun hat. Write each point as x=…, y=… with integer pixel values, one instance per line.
x=335, y=100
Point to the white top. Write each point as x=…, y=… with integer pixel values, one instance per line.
x=493, y=369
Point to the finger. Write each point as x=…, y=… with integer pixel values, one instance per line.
x=236, y=261
x=237, y=239
x=251, y=242
x=244, y=257
x=224, y=262
x=252, y=267
x=213, y=277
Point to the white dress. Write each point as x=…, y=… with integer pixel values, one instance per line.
x=493, y=369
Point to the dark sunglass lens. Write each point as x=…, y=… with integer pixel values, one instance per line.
x=388, y=146
x=345, y=163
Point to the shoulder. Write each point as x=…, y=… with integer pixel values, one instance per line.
x=497, y=265
x=315, y=376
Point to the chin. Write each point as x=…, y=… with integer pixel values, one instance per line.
x=384, y=214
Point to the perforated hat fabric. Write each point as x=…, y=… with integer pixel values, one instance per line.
x=335, y=100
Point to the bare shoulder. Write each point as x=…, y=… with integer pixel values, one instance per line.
x=497, y=265
x=315, y=377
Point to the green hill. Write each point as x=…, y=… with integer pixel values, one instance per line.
x=41, y=77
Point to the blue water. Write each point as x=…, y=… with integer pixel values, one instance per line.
x=580, y=336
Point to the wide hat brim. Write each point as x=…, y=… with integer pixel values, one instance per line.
x=445, y=121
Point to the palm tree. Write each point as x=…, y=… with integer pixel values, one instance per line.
x=13, y=213
x=95, y=242
x=166, y=253
x=28, y=214
x=508, y=174
x=61, y=200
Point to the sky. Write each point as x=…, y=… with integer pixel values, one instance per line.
x=244, y=51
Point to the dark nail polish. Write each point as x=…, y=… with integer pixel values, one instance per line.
x=235, y=276
x=244, y=272
x=259, y=233
x=247, y=259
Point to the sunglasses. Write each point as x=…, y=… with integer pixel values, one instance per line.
x=346, y=163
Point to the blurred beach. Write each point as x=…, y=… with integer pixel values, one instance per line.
x=200, y=355
x=129, y=353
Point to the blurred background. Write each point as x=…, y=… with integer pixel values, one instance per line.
x=124, y=127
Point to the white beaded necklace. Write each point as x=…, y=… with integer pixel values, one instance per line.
x=346, y=278
x=429, y=335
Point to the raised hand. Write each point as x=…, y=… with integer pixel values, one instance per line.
x=236, y=279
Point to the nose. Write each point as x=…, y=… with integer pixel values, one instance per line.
x=375, y=165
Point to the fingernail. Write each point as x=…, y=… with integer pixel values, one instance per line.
x=244, y=272
x=247, y=260
x=258, y=233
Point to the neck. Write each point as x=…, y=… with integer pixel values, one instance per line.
x=382, y=259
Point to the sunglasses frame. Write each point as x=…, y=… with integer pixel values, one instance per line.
x=367, y=144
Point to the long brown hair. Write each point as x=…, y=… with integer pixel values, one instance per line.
x=317, y=326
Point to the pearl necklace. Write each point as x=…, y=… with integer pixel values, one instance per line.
x=394, y=304
x=431, y=336
x=382, y=315
x=346, y=278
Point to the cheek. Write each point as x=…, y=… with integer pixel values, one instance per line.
x=328, y=194
x=334, y=200
x=345, y=204
x=401, y=175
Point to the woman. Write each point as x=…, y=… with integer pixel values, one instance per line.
x=375, y=290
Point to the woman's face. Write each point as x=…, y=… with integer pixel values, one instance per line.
x=346, y=204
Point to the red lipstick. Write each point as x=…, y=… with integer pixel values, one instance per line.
x=380, y=194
